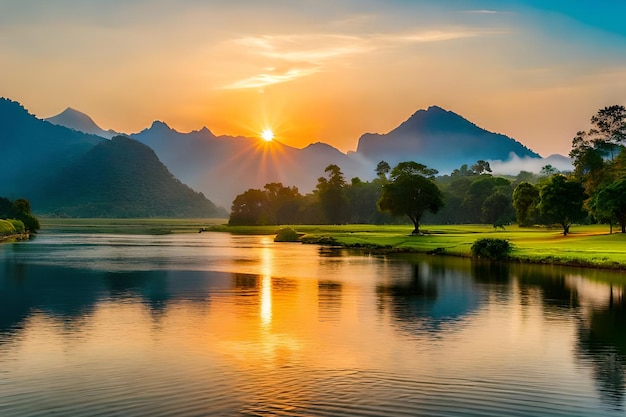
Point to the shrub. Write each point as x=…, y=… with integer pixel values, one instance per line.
x=491, y=248
x=6, y=228
x=286, y=234
x=18, y=224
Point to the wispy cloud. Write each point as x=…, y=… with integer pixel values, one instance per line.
x=269, y=78
x=482, y=11
x=308, y=48
x=310, y=53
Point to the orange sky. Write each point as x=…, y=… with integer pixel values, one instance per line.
x=316, y=71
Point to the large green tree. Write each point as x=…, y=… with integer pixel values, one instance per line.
x=411, y=191
x=562, y=201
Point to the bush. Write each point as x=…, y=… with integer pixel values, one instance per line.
x=491, y=248
x=18, y=224
x=287, y=234
x=6, y=228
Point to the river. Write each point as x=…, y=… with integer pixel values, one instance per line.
x=212, y=324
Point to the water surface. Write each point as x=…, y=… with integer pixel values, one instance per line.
x=212, y=324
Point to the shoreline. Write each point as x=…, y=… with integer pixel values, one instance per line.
x=15, y=238
x=374, y=249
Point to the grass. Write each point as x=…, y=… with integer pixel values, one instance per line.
x=589, y=246
x=6, y=228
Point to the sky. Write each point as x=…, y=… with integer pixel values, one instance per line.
x=318, y=70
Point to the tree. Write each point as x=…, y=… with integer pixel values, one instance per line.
x=497, y=209
x=481, y=188
x=562, y=201
x=411, y=191
x=249, y=208
x=525, y=200
x=610, y=203
x=19, y=210
x=332, y=196
x=593, y=152
x=480, y=167
x=382, y=169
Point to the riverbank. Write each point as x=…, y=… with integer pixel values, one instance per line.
x=586, y=246
x=14, y=238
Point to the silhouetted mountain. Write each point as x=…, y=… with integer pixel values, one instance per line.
x=229, y=165
x=34, y=149
x=80, y=121
x=124, y=178
x=67, y=172
x=225, y=166
x=440, y=139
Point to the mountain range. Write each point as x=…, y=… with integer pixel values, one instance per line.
x=222, y=167
x=65, y=172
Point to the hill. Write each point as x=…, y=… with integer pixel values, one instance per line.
x=440, y=139
x=123, y=178
x=33, y=149
x=77, y=120
x=66, y=172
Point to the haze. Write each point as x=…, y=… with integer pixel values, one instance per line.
x=318, y=70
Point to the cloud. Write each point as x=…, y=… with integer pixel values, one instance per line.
x=482, y=11
x=265, y=79
x=311, y=53
x=515, y=164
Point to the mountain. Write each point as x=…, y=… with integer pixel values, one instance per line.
x=123, y=178
x=229, y=165
x=66, y=172
x=225, y=166
x=33, y=149
x=440, y=139
x=80, y=121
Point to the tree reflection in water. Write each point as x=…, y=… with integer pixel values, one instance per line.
x=602, y=345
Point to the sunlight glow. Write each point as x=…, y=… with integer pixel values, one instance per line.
x=267, y=135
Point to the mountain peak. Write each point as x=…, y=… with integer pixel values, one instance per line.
x=77, y=120
x=159, y=125
x=442, y=139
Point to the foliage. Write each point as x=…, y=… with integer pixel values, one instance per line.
x=562, y=201
x=594, y=152
x=609, y=203
x=481, y=188
x=497, y=209
x=411, y=192
x=19, y=210
x=332, y=197
x=6, y=228
x=123, y=178
x=287, y=234
x=525, y=201
x=491, y=248
x=18, y=225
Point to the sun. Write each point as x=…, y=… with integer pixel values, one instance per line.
x=267, y=135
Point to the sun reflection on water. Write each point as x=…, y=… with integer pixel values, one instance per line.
x=266, y=283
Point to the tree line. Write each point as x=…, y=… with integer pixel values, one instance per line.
x=20, y=215
x=595, y=191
